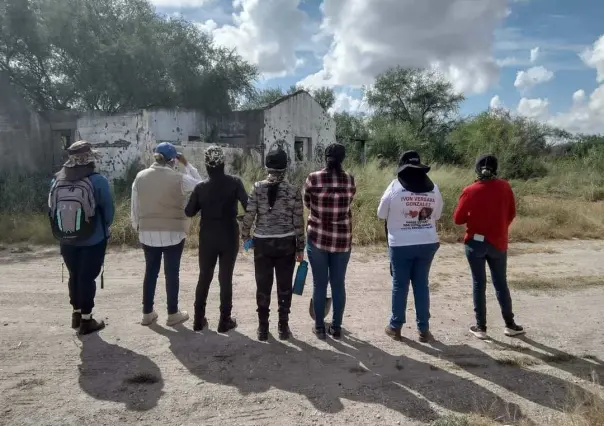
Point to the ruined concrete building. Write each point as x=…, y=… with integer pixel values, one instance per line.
x=33, y=141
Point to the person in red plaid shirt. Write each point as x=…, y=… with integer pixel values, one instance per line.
x=328, y=195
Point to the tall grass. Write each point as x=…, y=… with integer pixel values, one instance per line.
x=564, y=204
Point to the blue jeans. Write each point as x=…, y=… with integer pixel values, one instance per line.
x=480, y=254
x=328, y=267
x=411, y=264
x=172, y=256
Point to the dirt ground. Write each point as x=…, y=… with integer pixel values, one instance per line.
x=173, y=376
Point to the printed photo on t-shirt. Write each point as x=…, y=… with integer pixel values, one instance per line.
x=417, y=210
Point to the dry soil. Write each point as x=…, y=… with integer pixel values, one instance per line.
x=172, y=376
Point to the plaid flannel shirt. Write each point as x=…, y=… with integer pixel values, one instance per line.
x=328, y=197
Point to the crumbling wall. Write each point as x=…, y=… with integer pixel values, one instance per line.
x=299, y=116
x=25, y=136
x=121, y=140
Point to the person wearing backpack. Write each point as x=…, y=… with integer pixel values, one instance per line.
x=81, y=212
x=159, y=195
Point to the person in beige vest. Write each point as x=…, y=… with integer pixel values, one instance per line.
x=159, y=195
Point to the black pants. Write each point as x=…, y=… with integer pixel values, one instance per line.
x=84, y=265
x=218, y=243
x=274, y=257
x=172, y=256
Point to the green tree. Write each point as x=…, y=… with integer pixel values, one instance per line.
x=423, y=99
x=519, y=144
x=115, y=55
x=325, y=96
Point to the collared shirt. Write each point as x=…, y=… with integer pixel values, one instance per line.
x=190, y=179
x=328, y=196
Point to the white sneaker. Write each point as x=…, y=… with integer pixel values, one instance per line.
x=177, y=318
x=479, y=332
x=514, y=330
x=149, y=319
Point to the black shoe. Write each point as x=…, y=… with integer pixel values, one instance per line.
x=335, y=332
x=263, y=332
x=320, y=332
x=284, y=331
x=227, y=324
x=76, y=319
x=513, y=330
x=91, y=326
x=199, y=324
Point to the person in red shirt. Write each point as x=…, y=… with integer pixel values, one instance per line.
x=487, y=208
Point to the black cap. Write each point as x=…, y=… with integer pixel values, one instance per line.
x=486, y=163
x=410, y=159
x=276, y=159
x=337, y=151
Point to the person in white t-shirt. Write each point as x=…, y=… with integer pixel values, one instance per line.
x=411, y=205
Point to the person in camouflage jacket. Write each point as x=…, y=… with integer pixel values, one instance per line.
x=276, y=209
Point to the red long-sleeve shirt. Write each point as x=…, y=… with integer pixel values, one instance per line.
x=487, y=208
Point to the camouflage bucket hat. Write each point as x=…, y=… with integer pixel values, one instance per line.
x=81, y=154
x=214, y=156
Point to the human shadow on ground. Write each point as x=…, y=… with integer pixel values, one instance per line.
x=435, y=384
x=589, y=367
x=110, y=372
x=326, y=377
x=541, y=388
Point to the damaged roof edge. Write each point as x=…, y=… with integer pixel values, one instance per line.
x=280, y=100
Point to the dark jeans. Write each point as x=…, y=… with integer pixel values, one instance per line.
x=479, y=254
x=274, y=257
x=172, y=256
x=328, y=268
x=218, y=243
x=411, y=264
x=84, y=265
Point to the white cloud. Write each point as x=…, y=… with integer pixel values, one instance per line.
x=176, y=4
x=348, y=103
x=266, y=33
x=208, y=26
x=532, y=77
x=583, y=117
x=533, y=108
x=534, y=54
x=495, y=102
x=579, y=96
x=455, y=36
x=594, y=57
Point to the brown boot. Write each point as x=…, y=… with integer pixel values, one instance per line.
x=394, y=333
x=424, y=336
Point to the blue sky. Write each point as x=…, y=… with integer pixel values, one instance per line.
x=481, y=45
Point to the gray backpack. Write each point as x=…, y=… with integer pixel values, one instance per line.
x=72, y=209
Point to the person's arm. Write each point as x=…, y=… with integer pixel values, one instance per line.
x=52, y=183
x=384, y=206
x=438, y=205
x=190, y=179
x=460, y=215
x=250, y=215
x=105, y=200
x=134, y=206
x=308, y=185
x=299, y=223
x=242, y=194
x=194, y=205
x=512, y=207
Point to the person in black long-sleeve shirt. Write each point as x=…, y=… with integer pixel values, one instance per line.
x=216, y=198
